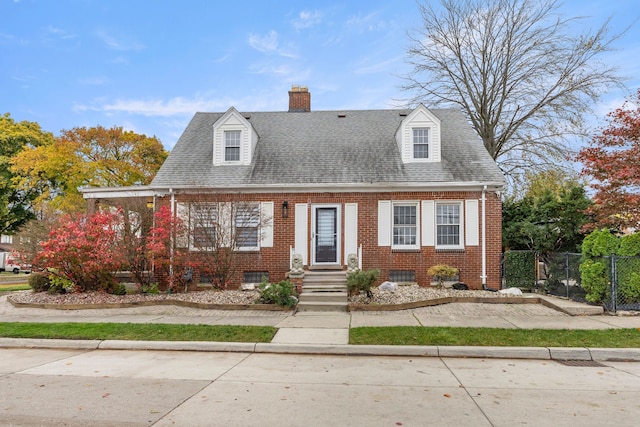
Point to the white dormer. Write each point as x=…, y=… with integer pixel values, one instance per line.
x=234, y=139
x=418, y=136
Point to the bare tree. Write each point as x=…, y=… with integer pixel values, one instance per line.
x=219, y=234
x=517, y=71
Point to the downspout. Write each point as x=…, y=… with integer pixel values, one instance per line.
x=171, y=242
x=484, y=238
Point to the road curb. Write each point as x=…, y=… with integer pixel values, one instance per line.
x=538, y=353
x=49, y=343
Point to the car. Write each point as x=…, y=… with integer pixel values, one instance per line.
x=16, y=268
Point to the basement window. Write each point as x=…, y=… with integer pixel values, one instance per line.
x=402, y=276
x=255, y=276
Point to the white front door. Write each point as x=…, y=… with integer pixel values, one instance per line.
x=325, y=235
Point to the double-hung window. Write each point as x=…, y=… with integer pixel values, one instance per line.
x=232, y=145
x=204, y=223
x=421, y=143
x=448, y=225
x=405, y=225
x=247, y=223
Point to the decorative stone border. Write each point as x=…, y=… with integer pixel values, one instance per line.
x=448, y=300
x=205, y=306
x=273, y=307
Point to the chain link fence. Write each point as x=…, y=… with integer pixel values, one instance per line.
x=613, y=281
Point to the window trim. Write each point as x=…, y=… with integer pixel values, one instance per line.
x=195, y=222
x=428, y=143
x=258, y=207
x=225, y=145
x=225, y=217
x=460, y=224
x=412, y=203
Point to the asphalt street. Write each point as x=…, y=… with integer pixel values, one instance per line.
x=47, y=387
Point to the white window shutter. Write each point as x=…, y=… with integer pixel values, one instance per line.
x=471, y=223
x=226, y=224
x=266, y=222
x=384, y=223
x=182, y=215
x=428, y=223
x=301, y=231
x=350, y=229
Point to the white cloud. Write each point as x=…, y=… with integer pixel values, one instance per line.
x=60, y=33
x=119, y=43
x=267, y=43
x=155, y=107
x=306, y=19
x=360, y=23
x=380, y=66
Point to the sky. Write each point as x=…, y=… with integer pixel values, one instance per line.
x=148, y=66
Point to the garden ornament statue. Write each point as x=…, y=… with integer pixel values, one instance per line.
x=352, y=263
x=297, y=266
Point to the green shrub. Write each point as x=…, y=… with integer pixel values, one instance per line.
x=520, y=269
x=600, y=243
x=361, y=280
x=280, y=293
x=630, y=245
x=594, y=280
x=442, y=272
x=60, y=285
x=630, y=290
x=39, y=282
x=151, y=289
x=120, y=289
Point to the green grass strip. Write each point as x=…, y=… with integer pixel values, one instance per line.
x=417, y=335
x=138, y=332
x=12, y=288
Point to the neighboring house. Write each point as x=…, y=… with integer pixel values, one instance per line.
x=402, y=189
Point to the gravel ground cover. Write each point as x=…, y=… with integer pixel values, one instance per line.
x=411, y=293
x=404, y=294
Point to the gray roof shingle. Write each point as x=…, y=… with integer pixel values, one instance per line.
x=319, y=147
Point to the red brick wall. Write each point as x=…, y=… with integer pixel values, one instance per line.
x=300, y=101
x=275, y=260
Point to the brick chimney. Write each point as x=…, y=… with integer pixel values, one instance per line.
x=299, y=99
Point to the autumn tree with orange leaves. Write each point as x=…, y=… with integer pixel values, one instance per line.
x=612, y=161
x=87, y=157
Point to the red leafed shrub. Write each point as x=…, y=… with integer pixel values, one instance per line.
x=85, y=249
x=166, y=246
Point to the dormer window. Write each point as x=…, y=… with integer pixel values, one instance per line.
x=234, y=139
x=232, y=145
x=421, y=143
x=418, y=136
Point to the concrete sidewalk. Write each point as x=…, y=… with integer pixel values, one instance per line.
x=328, y=333
x=107, y=388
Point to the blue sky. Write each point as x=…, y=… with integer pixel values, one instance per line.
x=150, y=65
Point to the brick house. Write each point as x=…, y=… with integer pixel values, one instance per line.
x=401, y=189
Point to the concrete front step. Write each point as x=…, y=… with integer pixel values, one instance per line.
x=322, y=306
x=323, y=288
x=323, y=296
x=324, y=291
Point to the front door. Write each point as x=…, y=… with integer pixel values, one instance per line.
x=326, y=235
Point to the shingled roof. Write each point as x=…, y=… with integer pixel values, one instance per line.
x=353, y=147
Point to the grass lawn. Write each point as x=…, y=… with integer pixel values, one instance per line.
x=416, y=335
x=138, y=332
x=12, y=287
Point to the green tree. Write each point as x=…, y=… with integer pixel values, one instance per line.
x=87, y=157
x=16, y=201
x=521, y=73
x=548, y=218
